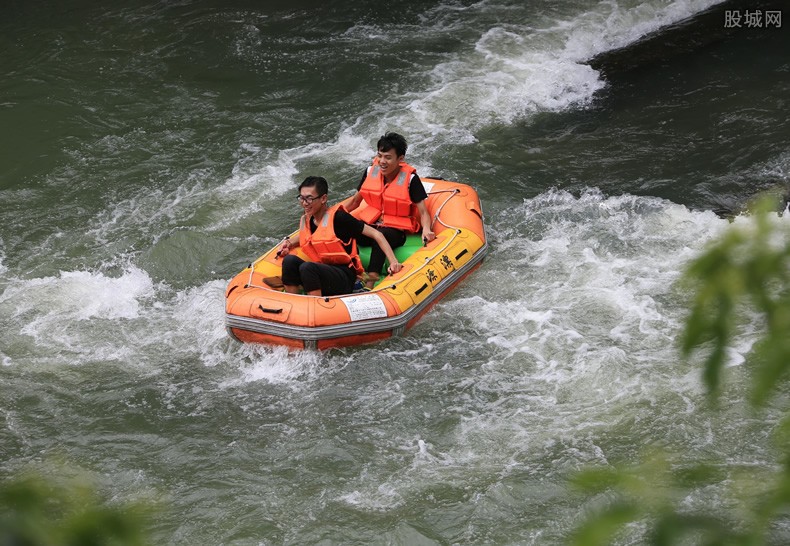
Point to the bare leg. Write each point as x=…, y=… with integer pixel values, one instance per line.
x=373, y=278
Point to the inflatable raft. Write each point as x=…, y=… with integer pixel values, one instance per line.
x=256, y=312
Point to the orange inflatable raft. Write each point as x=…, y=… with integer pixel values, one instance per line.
x=256, y=313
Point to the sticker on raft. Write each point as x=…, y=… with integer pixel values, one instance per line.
x=365, y=307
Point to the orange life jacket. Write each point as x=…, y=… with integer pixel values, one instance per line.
x=389, y=204
x=324, y=246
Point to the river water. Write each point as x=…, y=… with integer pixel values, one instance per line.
x=149, y=150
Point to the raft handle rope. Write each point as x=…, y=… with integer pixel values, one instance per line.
x=453, y=192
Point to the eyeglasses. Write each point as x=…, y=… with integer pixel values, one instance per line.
x=307, y=199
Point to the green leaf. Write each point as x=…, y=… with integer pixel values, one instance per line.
x=600, y=530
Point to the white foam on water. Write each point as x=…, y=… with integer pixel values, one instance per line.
x=191, y=323
x=151, y=210
x=778, y=168
x=276, y=366
x=568, y=351
x=584, y=298
x=80, y=295
x=578, y=329
x=194, y=321
x=517, y=62
x=263, y=174
x=263, y=170
x=509, y=72
x=504, y=79
x=74, y=312
x=385, y=497
x=616, y=24
x=79, y=317
x=513, y=69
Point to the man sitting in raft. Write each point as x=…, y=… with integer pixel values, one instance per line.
x=396, y=201
x=328, y=237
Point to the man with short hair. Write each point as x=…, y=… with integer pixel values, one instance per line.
x=395, y=200
x=328, y=236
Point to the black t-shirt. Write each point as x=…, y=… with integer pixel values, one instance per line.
x=416, y=189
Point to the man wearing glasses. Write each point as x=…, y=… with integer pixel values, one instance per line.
x=328, y=235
